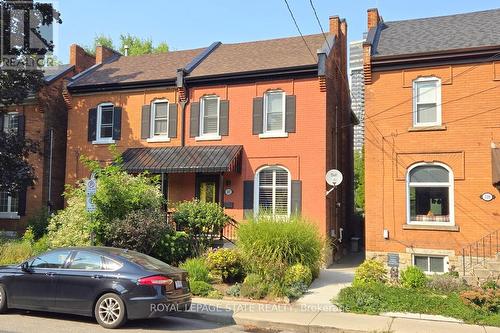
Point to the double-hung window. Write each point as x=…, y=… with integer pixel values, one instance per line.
x=105, y=117
x=427, y=102
x=10, y=122
x=430, y=195
x=159, y=119
x=209, y=117
x=8, y=206
x=274, y=112
x=272, y=192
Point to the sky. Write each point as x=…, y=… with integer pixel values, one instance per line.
x=189, y=24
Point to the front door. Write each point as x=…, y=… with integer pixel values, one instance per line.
x=207, y=188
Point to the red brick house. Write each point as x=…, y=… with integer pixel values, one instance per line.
x=43, y=118
x=253, y=126
x=431, y=123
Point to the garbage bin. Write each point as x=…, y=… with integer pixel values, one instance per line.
x=355, y=244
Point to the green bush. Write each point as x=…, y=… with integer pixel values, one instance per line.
x=215, y=294
x=203, y=222
x=39, y=222
x=234, y=290
x=197, y=269
x=298, y=274
x=269, y=245
x=200, y=288
x=370, y=271
x=226, y=264
x=446, y=283
x=174, y=248
x=254, y=287
x=296, y=290
x=71, y=226
x=140, y=231
x=413, y=277
x=41, y=245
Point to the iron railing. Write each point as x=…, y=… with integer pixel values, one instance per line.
x=229, y=231
x=476, y=253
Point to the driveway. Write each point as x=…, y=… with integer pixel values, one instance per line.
x=40, y=322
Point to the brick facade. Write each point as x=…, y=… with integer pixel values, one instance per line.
x=470, y=121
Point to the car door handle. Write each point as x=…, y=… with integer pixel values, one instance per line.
x=96, y=276
x=49, y=274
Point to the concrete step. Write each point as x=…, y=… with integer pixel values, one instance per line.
x=493, y=265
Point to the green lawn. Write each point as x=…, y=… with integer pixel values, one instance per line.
x=377, y=298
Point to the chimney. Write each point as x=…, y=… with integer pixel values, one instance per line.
x=102, y=53
x=335, y=25
x=373, y=18
x=126, y=47
x=79, y=58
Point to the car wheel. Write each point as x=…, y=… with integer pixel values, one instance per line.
x=110, y=311
x=3, y=299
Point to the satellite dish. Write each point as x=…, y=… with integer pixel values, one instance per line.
x=334, y=177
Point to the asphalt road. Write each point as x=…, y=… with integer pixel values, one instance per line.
x=40, y=322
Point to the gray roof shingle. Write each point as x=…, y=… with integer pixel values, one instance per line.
x=438, y=34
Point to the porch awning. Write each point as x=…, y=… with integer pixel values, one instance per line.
x=201, y=159
x=495, y=160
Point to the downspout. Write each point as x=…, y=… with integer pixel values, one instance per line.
x=49, y=201
x=183, y=101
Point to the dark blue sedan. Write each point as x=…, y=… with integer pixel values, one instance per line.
x=111, y=284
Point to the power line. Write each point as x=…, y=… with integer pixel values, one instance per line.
x=319, y=23
x=298, y=29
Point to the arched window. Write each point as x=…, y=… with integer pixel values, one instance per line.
x=272, y=191
x=430, y=194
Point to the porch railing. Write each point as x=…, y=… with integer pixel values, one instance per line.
x=476, y=253
x=229, y=231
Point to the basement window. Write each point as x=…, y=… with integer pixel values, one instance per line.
x=431, y=264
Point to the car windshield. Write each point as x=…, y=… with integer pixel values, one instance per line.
x=145, y=261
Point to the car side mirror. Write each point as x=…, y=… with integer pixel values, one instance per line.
x=25, y=267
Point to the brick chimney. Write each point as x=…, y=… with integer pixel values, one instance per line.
x=335, y=25
x=79, y=58
x=374, y=18
x=102, y=53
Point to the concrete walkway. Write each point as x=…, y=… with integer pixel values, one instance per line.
x=329, y=283
x=292, y=318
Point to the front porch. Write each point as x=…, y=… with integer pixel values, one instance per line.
x=206, y=173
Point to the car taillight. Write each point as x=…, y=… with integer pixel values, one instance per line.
x=156, y=280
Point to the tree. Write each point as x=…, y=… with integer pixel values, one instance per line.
x=16, y=84
x=359, y=180
x=136, y=45
x=17, y=173
x=100, y=40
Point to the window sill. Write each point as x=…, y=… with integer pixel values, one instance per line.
x=103, y=142
x=158, y=139
x=208, y=138
x=273, y=135
x=427, y=128
x=431, y=227
x=9, y=216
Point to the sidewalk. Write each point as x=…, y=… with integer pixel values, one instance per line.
x=296, y=318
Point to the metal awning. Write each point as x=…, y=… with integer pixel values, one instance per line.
x=495, y=167
x=202, y=159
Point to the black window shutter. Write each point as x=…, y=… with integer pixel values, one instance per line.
x=290, y=117
x=117, y=123
x=21, y=125
x=247, y=199
x=258, y=115
x=21, y=203
x=172, y=120
x=224, y=118
x=296, y=197
x=92, y=124
x=2, y=116
x=194, y=120
x=145, y=121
